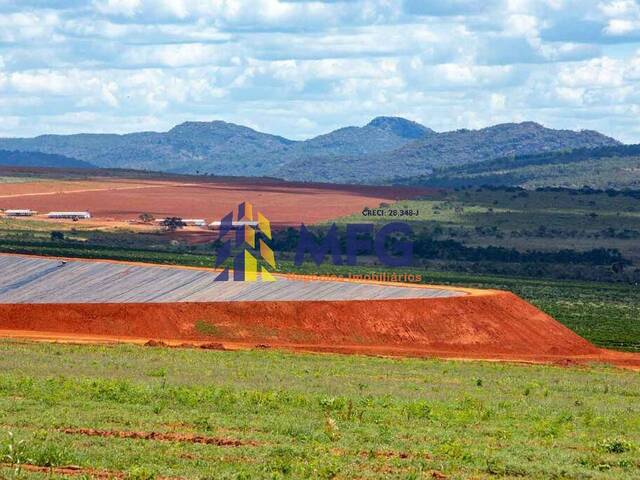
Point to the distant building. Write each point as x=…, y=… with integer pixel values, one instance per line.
x=237, y=224
x=19, y=213
x=196, y=222
x=69, y=215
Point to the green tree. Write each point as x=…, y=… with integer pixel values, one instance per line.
x=171, y=224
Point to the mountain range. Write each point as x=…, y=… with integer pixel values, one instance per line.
x=385, y=149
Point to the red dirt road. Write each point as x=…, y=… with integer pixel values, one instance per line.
x=492, y=326
x=281, y=202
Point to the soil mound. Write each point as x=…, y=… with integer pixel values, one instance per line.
x=483, y=325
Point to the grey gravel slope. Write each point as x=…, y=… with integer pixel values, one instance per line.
x=39, y=280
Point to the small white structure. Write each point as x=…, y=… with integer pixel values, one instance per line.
x=19, y=213
x=237, y=224
x=69, y=215
x=196, y=222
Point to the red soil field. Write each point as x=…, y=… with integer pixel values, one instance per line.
x=52, y=187
x=491, y=325
x=281, y=202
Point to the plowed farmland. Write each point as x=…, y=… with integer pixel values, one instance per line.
x=121, y=199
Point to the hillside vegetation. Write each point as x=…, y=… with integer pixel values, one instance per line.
x=384, y=149
x=461, y=147
x=220, y=148
x=39, y=159
x=599, y=168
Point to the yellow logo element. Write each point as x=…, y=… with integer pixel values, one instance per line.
x=248, y=233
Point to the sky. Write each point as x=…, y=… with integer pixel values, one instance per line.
x=300, y=68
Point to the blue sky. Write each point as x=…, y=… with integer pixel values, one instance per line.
x=299, y=68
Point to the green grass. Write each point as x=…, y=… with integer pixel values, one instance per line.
x=207, y=328
x=12, y=226
x=545, y=220
x=318, y=416
x=17, y=179
x=441, y=207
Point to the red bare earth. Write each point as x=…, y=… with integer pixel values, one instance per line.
x=492, y=325
x=282, y=202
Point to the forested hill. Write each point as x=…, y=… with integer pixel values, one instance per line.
x=383, y=149
x=601, y=168
x=39, y=159
x=461, y=147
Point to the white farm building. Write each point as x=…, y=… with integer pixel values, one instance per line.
x=196, y=222
x=234, y=225
x=69, y=215
x=19, y=212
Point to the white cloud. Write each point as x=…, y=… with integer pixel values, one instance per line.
x=176, y=55
x=622, y=26
x=298, y=68
x=498, y=101
x=127, y=8
x=521, y=25
x=44, y=82
x=618, y=8
x=623, y=17
x=599, y=72
x=29, y=27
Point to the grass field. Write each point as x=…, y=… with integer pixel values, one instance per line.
x=269, y=414
x=4, y=179
x=314, y=416
x=543, y=220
